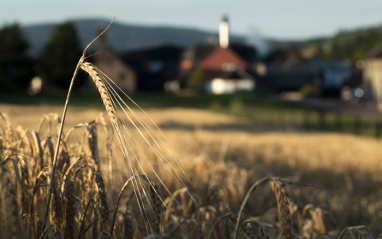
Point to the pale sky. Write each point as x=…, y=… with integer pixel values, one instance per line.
x=283, y=19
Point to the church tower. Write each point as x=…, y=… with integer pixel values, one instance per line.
x=224, y=33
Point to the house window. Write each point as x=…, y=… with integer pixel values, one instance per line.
x=228, y=66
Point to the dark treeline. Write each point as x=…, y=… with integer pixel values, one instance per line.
x=17, y=68
x=15, y=64
x=350, y=45
x=62, y=51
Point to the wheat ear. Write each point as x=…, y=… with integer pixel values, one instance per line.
x=285, y=222
x=25, y=182
x=57, y=204
x=71, y=210
x=156, y=204
x=128, y=227
x=102, y=197
x=62, y=126
x=95, y=75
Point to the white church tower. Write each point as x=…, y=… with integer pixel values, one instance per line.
x=224, y=33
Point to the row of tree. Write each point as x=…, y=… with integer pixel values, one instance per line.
x=60, y=56
x=352, y=45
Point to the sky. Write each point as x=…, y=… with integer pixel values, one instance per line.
x=281, y=19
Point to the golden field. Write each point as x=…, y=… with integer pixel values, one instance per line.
x=224, y=156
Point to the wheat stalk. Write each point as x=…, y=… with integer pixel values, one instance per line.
x=37, y=150
x=71, y=210
x=102, y=197
x=25, y=182
x=128, y=227
x=113, y=101
x=57, y=204
x=156, y=204
x=285, y=220
x=62, y=126
x=10, y=208
x=93, y=145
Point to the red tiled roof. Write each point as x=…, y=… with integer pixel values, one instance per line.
x=220, y=57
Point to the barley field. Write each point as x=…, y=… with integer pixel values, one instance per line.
x=222, y=177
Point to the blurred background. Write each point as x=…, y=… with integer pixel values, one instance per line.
x=242, y=89
x=319, y=62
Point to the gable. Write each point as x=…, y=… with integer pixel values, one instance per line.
x=220, y=58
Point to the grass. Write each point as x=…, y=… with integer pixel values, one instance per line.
x=145, y=100
x=234, y=153
x=251, y=106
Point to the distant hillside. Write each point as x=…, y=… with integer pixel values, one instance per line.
x=122, y=37
x=350, y=44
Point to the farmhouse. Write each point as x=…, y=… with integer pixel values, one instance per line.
x=154, y=66
x=372, y=74
x=224, y=65
x=110, y=63
x=287, y=70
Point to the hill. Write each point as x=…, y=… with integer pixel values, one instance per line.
x=122, y=37
x=353, y=45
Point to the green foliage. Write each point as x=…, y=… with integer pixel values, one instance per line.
x=352, y=45
x=61, y=55
x=311, y=90
x=236, y=107
x=197, y=78
x=320, y=53
x=15, y=64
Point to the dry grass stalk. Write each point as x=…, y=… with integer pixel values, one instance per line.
x=9, y=132
x=2, y=146
x=199, y=230
x=156, y=205
x=214, y=193
x=93, y=145
x=55, y=119
x=48, y=150
x=109, y=134
x=40, y=228
x=284, y=215
x=102, y=199
x=64, y=161
x=264, y=232
x=37, y=150
x=128, y=227
x=312, y=216
x=84, y=178
x=25, y=141
x=10, y=209
x=250, y=231
x=71, y=210
x=318, y=221
x=57, y=204
x=25, y=186
x=95, y=226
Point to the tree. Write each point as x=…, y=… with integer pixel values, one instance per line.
x=15, y=64
x=320, y=54
x=61, y=55
x=197, y=78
